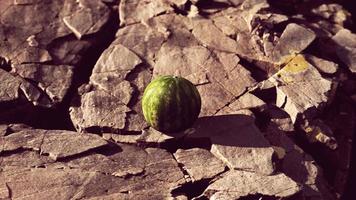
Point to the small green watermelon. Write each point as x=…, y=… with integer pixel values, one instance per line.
x=171, y=104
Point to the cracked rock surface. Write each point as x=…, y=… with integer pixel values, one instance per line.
x=276, y=79
x=40, y=53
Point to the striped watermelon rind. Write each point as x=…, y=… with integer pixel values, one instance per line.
x=171, y=104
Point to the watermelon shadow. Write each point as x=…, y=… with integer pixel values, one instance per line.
x=228, y=130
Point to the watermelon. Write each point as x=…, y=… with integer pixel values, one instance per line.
x=171, y=104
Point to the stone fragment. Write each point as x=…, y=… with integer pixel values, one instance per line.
x=294, y=39
x=106, y=106
x=237, y=142
x=127, y=160
x=61, y=144
x=23, y=160
x=346, y=48
x=242, y=104
x=54, y=80
x=229, y=60
x=136, y=11
x=57, y=144
x=35, y=95
x=235, y=81
x=300, y=77
x=199, y=163
x=236, y=184
x=34, y=183
x=25, y=140
x=182, y=61
x=280, y=118
x=141, y=40
x=324, y=66
x=116, y=58
x=159, y=158
x=247, y=101
x=34, y=55
x=214, y=97
x=159, y=173
x=207, y=33
x=88, y=19
x=100, y=109
x=230, y=21
x=9, y=89
x=16, y=91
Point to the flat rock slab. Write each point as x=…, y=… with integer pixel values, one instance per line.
x=207, y=33
x=35, y=161
x=88, y=19
x=324, y=66
x=299, y=77
x=346, y=44
x=294, y=39
x=237, y=142
x=57, y=144
x=199, y=163
x=236, y=184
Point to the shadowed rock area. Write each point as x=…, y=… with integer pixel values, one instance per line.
x=276, y=78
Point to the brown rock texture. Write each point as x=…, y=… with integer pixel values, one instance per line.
x=276, y=78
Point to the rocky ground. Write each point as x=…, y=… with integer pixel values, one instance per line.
x=277, y=81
